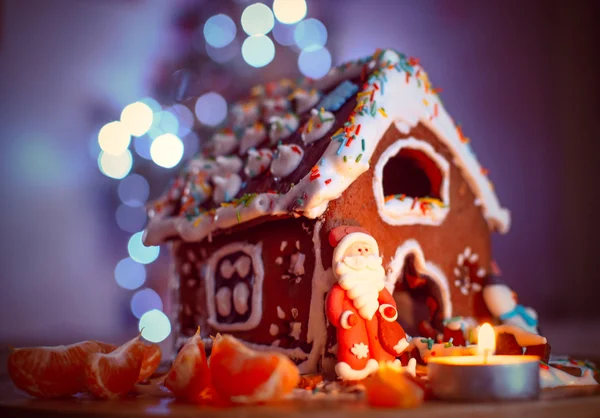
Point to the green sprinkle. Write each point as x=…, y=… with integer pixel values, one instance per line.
x=239, y=217
x=359, y=157
x=345, y=158
x=362, y=141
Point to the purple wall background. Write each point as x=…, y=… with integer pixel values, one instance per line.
x=521, y=77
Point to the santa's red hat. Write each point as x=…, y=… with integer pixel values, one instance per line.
x=343, y=236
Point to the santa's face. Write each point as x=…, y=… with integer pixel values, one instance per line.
x=361, y=256
x=359, y=248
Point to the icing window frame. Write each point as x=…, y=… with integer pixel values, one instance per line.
x=254, y=251
x=404, y=210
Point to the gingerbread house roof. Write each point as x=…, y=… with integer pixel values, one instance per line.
x=294, y=146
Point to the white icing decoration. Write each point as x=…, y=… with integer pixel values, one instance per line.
x=258, y=161
x=242, y=265
x=224, y=301
x=294, y=313
x=274, y=106
x=245, y=113
x=279, y=260
x=298, y=245
x=410, y=368
x=254, y=252
x=191, y=256
x=553, y=377
x=395, y=267
x=230, y=164
x=280, y=312
x=226, y=269
x=319, y=123
x=296, y=328
x=360, y=350
x=186, y=268
x=304, y=99
x=344, y=317
x=382, y=309
x=224, y=143
x=287, y=159
x=253, y=136
x=524, y=338
x=226, y=188
x=274, y=330
x=407, y=211
x=297, y=264
x=400, y=346
x=403, y=103
x=241, y=294
x=282, y=246
x=345, y=372
x=282, y=127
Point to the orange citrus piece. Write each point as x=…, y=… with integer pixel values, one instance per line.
x=392, y=388
x=150, y=362
x=113, y=375
x=50, y=372
x=244, y=375
x=189, y=375
x=105, y=347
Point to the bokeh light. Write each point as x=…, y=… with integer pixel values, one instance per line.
x=131, y=219
x=314, y=63
x=166, y=150
x=219, y=30
x=191, y=145
x=141, y=146
x=184, y=116
x=130, y=274
x=155, y=326
x=211, y=109
x=289, y=11
x=165, y=122
x=133, y=190
x=225, y=54
x=145, y=300
x=137, y=118
x=139, y=252
x=310, y=33
x=115, y=166
x=114, y=138
x=257, y=19
x=258, y=50
x=284, y=34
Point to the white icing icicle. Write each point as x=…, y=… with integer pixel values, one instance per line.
x=282, y=127
x=226, y=188
x=318, y=125
x=552, y=377
x=245, y=113
x=524, y=338
x=286, y=160
x=253, y=136
x=258, y=161
x=274, y=106
x=304, y=99
x=230, y=164
x=224, y=142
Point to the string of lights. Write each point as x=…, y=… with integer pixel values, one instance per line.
x=166, y=135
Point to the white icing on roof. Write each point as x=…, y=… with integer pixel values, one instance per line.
x=397, y=91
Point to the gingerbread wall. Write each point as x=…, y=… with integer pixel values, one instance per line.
x=286, y=290
x=464, y=225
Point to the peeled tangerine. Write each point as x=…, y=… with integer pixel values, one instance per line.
x=150, y=362
x=393, y=388
x=51, y=372
x=243, y=375
x=113, y=375
x=189, y=378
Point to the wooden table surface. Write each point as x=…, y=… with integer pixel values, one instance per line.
x=569, y=402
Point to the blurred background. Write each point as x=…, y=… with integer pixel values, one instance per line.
x=153, y=75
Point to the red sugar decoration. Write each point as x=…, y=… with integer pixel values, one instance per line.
x=544, y=366
x=358, y=129
x=435, y=109
x=296, y=150
x=376, y=86
x=433, y=354
x=314, y=176
x=349, y=141
x=327, y=181
x=372, y=94
x=407, y=77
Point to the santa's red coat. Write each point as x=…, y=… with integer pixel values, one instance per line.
x=363, y=331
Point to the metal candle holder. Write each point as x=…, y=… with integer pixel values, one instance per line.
x=485, y=379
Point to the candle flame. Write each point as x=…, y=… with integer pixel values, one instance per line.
x=486, y=339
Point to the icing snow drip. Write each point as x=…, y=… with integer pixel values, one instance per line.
x=304, y=99
x=226, y=187
x=274, y=106
x=245, y=113
x=286, y=160
x=320, y=122
x=282, y=127
x=258, y=161
x=253, y=136
x=224, y=142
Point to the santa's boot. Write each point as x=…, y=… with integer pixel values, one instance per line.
x=354, y=363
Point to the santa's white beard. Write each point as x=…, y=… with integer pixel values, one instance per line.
x=362, y=278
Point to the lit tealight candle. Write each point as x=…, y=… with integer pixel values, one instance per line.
x=485, y=377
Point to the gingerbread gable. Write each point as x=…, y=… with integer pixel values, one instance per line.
x=293, y=147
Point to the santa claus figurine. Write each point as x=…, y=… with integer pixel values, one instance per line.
x=360, y=307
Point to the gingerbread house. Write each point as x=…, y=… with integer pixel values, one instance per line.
x=369, y=144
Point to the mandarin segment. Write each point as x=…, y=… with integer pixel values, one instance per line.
x=391, y=388
x=150, y=362
x=248, y=376
x=113, y=375
x=50, y=372
x=189, y=375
